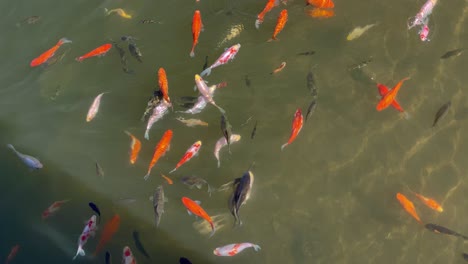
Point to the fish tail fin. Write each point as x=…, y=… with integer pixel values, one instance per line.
x=80, y=252
x=256, y=247
x=173, y=170
x=406, y=115
x=106, y=11
x=219, y=163
x=147, y=176
x=147, y=134
x=79, y=59
x=64, y=40
x=213, y=229
x=210, y=190
x=220, y=109
x=283, y=146
x=128, y=133
x=272, y=38
x=206, y=72
x=258, y=22
x=10, y=146
x=192, y=53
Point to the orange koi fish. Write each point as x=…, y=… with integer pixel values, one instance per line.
x=296, y=127
x=383, y=90
x=135, y=147
x=195, y=208
x=160, y=150
x=320, y=13
x=99, y=51
x=164, y=85
x=321, y=3
x=282, y=19
x=109, y=230
x=408, y=206
x=280, y=68
x=390, y=96
x=53, y=208
x=197, y=27
x=430, y=203
x=189, y=154
x=12, y=254
x=270, y=4
x=167, y=179
x=49, y=53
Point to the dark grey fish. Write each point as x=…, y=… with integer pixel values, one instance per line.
x=465, y=256
x=242, y=188
x=306, y=53
x=29, y=20
x=206, y=63
x=450, y=53
x=311, y=84
x=442, y=112
x=183, y=260
x=95, y=209
x=254, y=131
x=138, y=244
x=123, y=58
x=443, y=230
x=152, y=103
x=135, y=51
x=158, y=204
x=360, y=65
x=147, y=21
x=108, y=257
x=311, y=109
x=128, y=38
x=226, y=129
x=247, y=81
x=194, y=181
x=99, y=170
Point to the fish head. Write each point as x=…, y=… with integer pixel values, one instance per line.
x=216, y=252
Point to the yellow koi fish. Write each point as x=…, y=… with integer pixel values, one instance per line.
x=119, y=11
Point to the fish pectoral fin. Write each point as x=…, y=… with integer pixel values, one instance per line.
x=190, y=213
x=166, y=200
x=198, y=202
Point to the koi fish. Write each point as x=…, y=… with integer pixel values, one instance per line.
x=320, y=13
x=296, y=127
x=161, y=148
x=127, y=257
x=108, y=257
x=99, y=170
x=197, y=210
x=194, y=181
x=390, y=96
x=223, y=142
x=442, y=112
x=232, y=249
x=270, y=4
x=280, y=68
x=450, y=53
x=197, y=27
x=443, y=230
x=53, y=208
x=135, y=147
x=358, y=31
x=408, y=206
x=311, y=108
x=163, y=85
x=169, y=181
x=119, y=12
x=158, y=112
x=109, y=230
x=13, y=252
x=243, y=187
x=192, y=122
x=282, y=19
x=422, y=15
x=158, y=204
x=429, y=202
x=138, y=244
x=254, y=131
x=201, y=102
x=233, y=32
x=424, y=32
x=99, y=51
x=189, y=154
x=205, y=91
x=94, y=108
x=30, y=161
x=383, y=90
x=89, y=230
x=226, y=129
x=225, y=57
x=321, y=3
x=49, y=53
x=135, y=51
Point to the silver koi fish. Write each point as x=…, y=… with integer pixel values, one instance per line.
x=422, y=15
x=158, y=112
x=205, y=91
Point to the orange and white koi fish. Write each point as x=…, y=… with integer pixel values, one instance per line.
x=189, y=154
x=270, y=4
x=135, y=147
x=49, y=53
x=88, y=230
x=280, y=68
x=429, y=202
x=197, y=27
x=297, y=123
x=53, y=208
x=320, y=13
x=160, y=150
x=390, y=96
x=196, y=209
x=12, y=255
x=119, y=11
x=232, y=249
x=169, y=181
x=282, y=19
x=99, y=51
x=127, y=256
x=94, y=108
x=109, y=230
x=408, y=206
x=164, y=85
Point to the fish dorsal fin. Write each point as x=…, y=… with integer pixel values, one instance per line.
x=197, y=202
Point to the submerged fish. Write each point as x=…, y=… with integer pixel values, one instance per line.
x=247, y=80
x=152, y=103
x=311, y=83
x=233, y=249
x=241, y=194
x=221, y=143
x=183, y=260
x=95, y=208
x=138, y=244
x=94, y=108
x=443, y=230
x=233, y=32
x=306, y=53
x=158, y=112
x=135, y=51
x=441, y=113
x=108, y=258
x=119, y=12
x=192, y=122
x=311, y=109
x=30, y=161
x=465, y=256
x=108, y=232
x=54, y=207
x=254, y=131
x=205, y=65
x=194, y=181
x=408, y=206
x=358, y=31
x=29, y=20
x=360, y=65
x=123, y=58
x=99, y=170
x=226, y=129
x=450, y=53
x=158, y=204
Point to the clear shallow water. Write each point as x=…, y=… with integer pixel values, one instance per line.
x=327, y=198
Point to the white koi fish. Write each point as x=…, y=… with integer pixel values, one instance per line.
x=158, y=112
x=30, y=161
x=127, y=256
x=89, y=230
x=201, y=102
x=223, y=142
x=94, y=108
x=422, y=15
x=424, y=32
x=205, y=91
x=227, y=55
x=358, y=31
x=233, y=249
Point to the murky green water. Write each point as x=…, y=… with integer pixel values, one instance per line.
x=327, y=198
